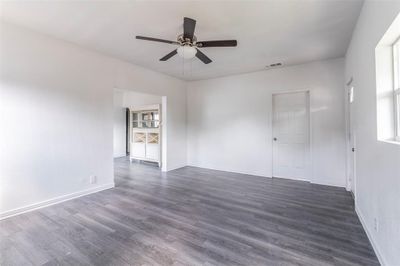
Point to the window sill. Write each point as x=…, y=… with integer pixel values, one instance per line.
x=390, y=141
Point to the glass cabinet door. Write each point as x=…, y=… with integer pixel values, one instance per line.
x=135, y=119
x=145, y=119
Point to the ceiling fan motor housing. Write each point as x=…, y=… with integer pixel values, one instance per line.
x=182, y=41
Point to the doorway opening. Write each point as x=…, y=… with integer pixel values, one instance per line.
x=139, y=131
x=291, y=135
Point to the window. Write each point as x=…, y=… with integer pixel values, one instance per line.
x=396, y=79
x=387, y=60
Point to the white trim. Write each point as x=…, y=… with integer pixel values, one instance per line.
x=231, y=171
x=310, y=138
x=149, y=107
x=267, y=176
x=288, y=178
x=55, y=200
x=174, y=167
x=396, y=87
x=163, y=132
x=236, y=172
x=396, y=142
x=119, y=157
x=351, y=140
x=274, y=92
x=371, y=240
x=347, y=132
x=329, y=184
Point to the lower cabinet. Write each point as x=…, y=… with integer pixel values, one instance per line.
x=138, y=150
x=145, y=145
x=152, y=151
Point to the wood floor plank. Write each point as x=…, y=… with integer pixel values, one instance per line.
x=192, y=216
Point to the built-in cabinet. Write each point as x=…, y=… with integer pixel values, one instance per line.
x=145, y=140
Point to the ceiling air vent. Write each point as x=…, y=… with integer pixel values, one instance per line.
x=275, y=65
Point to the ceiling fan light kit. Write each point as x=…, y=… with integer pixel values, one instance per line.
x=188, y=44
x=187, y=51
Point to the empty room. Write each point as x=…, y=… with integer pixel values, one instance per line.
x=189, y=132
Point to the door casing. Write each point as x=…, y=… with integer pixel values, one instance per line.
x=350, y=140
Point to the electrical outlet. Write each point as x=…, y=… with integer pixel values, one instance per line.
x=376, y=225
x=93, y=179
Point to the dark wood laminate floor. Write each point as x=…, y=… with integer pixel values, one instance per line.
x=192, y=216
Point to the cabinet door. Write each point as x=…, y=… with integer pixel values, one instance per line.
x=138, y=146
x=138, y=150
x=153, y=151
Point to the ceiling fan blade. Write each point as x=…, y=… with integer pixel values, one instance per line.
x=188, y=28
x=203, y=57
x=221, y=43
x=155, y=39
x=168, y=56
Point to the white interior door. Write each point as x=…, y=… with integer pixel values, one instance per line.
x=291, y=144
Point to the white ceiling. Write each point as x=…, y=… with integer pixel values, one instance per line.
x=287, y=31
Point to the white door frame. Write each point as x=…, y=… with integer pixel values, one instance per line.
x=310, y=146
x=350, y=141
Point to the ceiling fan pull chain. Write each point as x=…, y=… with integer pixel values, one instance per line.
x=191, y=67
x=183, y=66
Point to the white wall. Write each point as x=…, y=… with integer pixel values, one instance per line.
x=229, y=120
x=377, y=162
x=134, y=99
x=119, y=132
x=57, y=117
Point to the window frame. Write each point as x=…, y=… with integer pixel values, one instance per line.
x=396, y=87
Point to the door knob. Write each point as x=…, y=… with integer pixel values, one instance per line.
x=275, y=139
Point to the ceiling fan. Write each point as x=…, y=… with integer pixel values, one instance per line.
x=188, y=44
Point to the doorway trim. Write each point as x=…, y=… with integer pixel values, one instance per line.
x=310, y=144
x=350, y=140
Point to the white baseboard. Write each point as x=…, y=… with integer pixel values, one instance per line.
x=228, y=170
x=268, y=176
x=55, y=200
x=328, y=184
x=295, y=179
x=173, y=168
x=371, y=240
